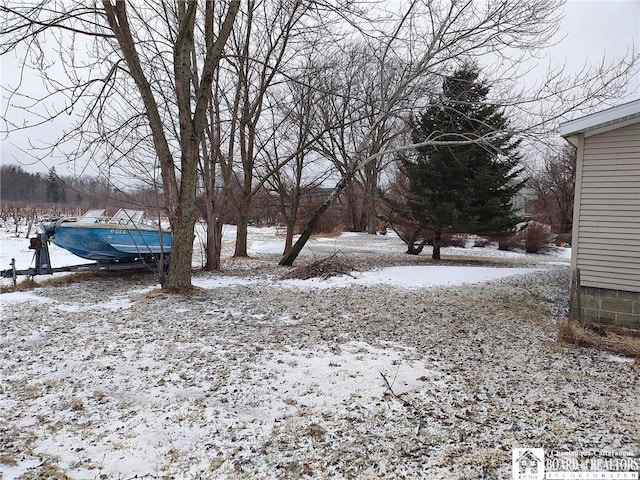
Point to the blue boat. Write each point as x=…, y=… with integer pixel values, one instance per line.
x=122, y=238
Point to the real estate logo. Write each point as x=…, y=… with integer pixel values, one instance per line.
x=528, y=463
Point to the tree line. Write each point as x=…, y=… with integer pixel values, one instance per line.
x=20, y=186
x=71, y=193
x=46, y=195
x=220, y=102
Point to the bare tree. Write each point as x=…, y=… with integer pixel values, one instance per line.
x=263, y=47
x=214, y=177
x=141, y=39
x=291, y=168
x=554, y=187
x=247, y=119
x=359, y=80
x=429, y=37
x=192, y=118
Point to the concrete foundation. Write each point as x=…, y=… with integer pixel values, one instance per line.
x=616, y=309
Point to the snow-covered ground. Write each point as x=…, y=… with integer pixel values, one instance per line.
x=268, y=242
x=403, y=369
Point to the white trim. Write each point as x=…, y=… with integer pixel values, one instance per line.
x=577, y=197
x=602, y=121
x=612, y=126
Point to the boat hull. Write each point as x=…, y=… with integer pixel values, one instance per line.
x=112, y=242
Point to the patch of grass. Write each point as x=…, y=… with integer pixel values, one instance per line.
x=30, y=391
x=215, y=464
x=100, y=396
x=79, y=277
x=577, y=334
x=192, y=293
x=77, y=405
x=334, y=232
x=72, y=278
x=8, y=459
x=155, y=293
x=46, y=471
x=27, y=284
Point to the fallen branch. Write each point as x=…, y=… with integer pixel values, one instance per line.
x=406, y=403
x=417, y=412
x=324, y=268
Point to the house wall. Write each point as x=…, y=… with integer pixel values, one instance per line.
x=607, y=241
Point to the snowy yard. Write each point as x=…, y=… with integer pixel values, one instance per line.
x=403, y=370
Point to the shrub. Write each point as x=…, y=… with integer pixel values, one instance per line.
x=453, y=240
x=536, y=237
x=533, y=238
x=481, y=242
x=508, y=244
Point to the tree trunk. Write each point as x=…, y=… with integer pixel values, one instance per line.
x=353, y=205
x=183, y=222
x=437, y=242
x=242, y=230
x=288, y=240
x=214, y=239
x=179, y=277
x=412, y=249
x=214, y=246
x=181, y=202
x=247, y=141
x=370, y=209
x=292, y=254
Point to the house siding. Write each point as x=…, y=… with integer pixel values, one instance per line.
x=608, y=250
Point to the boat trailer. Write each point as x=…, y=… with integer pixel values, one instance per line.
x=40, y=244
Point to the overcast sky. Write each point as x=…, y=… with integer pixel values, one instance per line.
x=594, y=28
x=590, y=30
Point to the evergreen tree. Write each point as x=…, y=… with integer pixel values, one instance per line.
x=465, y=187
x=55, y=187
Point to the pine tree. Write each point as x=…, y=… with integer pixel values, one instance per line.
x=55, y=187
x=464, y=187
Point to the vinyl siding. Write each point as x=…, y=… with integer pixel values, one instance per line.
x=608, y=250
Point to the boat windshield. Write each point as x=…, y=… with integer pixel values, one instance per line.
x=125, y=216
x=90, y=216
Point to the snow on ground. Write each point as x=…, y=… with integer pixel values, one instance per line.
x=403, y=369
x=414, y=276
x=269, y=241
